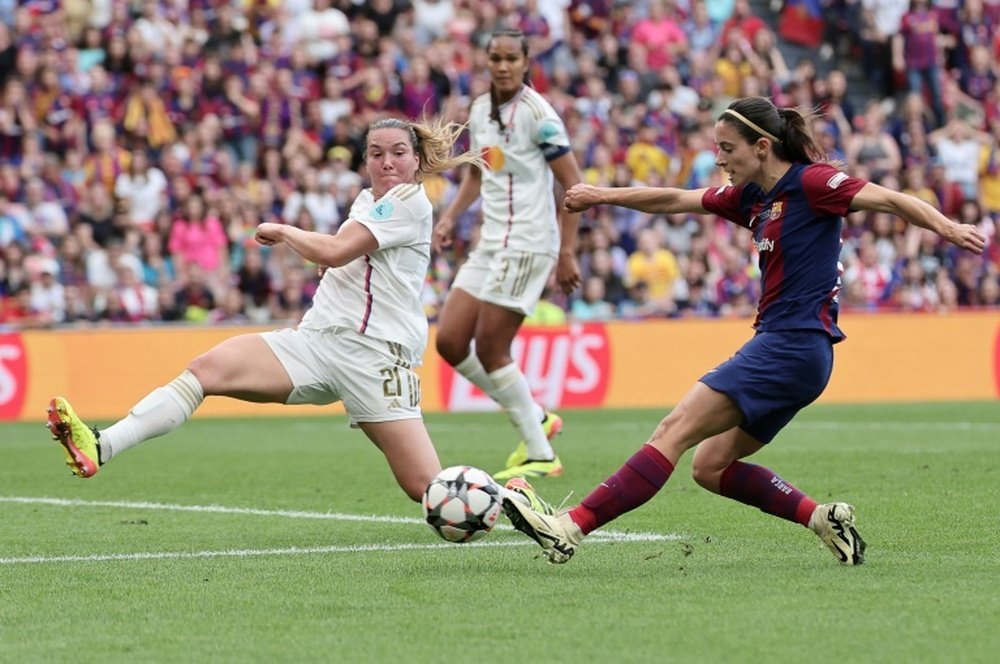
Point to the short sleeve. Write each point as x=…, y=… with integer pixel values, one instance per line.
x=725, y=202
x=397, y=219
x=829, y=190
x=551, y=137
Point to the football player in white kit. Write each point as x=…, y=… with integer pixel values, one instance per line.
x=524, y=235
x=359, y=341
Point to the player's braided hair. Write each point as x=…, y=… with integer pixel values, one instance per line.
x=433, y=141
x=494, y=102
x=787, y=128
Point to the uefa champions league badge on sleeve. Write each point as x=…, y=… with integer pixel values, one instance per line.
x=548, y=130
x=382, y=211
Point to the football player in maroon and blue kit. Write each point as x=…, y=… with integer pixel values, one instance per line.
x=794, y=204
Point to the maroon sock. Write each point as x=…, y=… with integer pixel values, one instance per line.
x=636, y=482
x=761, y=488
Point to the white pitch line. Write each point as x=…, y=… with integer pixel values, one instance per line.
x=288, y=514
x=298, y=551
x=213, y=509
x=243, y=553
x=604, y=536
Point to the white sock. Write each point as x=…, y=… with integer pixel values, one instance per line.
x=474, y=371
x=159, y=412
x=510, y=390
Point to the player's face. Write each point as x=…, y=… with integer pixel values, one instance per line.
x=507, y=64
x=739, y=159
x=390, y=159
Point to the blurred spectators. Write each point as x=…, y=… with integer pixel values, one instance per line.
x=141, y=191
x=592, y=305
x=916, y=51
x=656, y=268
x=880, y=23
x=871, y=146
x=141, y=143
x=957, y=145
x=48, y=296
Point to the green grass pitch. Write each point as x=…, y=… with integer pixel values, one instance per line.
x=286, y=540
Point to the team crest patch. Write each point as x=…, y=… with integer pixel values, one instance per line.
x=776, y=210
x=494, y=157
x=382, y=211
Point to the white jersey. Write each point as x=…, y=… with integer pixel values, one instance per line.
x=518, y=206
x=378, y=294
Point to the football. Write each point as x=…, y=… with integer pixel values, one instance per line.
x=462, y=503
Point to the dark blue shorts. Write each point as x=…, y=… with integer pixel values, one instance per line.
x=773, y=376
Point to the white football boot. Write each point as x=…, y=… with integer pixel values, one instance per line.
x=558, y=535
x=834, y=523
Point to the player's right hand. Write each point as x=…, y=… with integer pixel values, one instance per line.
x=443, y=230
x=581, y=197
x=268, y=233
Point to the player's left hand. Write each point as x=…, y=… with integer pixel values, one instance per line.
x=567, y=273
x=967, y=237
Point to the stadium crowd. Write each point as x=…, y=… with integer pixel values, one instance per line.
x=142, y=142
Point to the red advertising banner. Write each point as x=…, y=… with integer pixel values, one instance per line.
x=13, y=376
x=565, y=367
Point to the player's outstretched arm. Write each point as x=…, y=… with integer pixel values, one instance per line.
x=667, y=200
x=350, y=242
x=919, y=213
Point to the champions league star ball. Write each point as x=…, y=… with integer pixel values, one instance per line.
x=462, y=503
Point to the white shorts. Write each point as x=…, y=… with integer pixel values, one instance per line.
x=375, y=383
x=508, y=278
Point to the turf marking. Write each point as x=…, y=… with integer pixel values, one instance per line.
x=597, y=537
x=244, y=553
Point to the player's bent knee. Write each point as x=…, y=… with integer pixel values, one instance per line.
x=202, y=368
x=451, y=351
x=212, y=372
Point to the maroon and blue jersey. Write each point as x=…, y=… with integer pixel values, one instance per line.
x=796, y=230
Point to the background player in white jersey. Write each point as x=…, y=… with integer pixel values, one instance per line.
x=356, y=344
x=524, y=142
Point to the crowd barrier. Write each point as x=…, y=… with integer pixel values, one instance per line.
x=886, y=358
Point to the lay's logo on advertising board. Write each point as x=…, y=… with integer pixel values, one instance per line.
x=565, y=367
